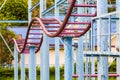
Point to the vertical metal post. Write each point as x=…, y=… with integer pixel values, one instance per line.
x=45, y=58
x=44, y=51
x=41, y=7
x=44, y=4
x=118, y=37
x=15, y=63
x=79, y=54
x=68, y=58
x=57, y=48
x=80, y=60
x=41, y=55
x=29, y=12
x=72, y=20
x=22, y=66
x=32, y=63
x=57, y=63
x=92, y=43
x=102, y=40
x=92, y=48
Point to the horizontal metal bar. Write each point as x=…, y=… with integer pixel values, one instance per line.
x=98, y=54
x=105, y=15
x=36, y=5
x=108, y=18
x=13, y=21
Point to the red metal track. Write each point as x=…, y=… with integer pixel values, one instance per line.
x=96, y=75
x=55, y=28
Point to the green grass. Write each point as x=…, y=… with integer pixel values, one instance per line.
x=38, y=78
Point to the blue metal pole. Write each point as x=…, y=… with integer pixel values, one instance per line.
x=92, y=43
x=15, y=63
x=29, y=12
x=72, y=20
x=80, y=60
x=79, y=53
x=57, y=48
x=118, y=37
x=93, y=48
x=68, y=58
x=44, y=51
x=45, y=58
x=57, y=63
x=32, y=63
x=102, y=40
x=22, y=66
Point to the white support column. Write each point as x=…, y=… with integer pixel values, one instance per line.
x=45, y=58
x=80, y=60
x=57, y=48
x=32, y=63
x=22, y=66
x=68, y=58
x=29, y=12
x=44, y=51
x=57, y=61
x=93, y=49
x=102, y=40
x=15, y=63
x=92, y=43
x=118, y=37
x=79, y=53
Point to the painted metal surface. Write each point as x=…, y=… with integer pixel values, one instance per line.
x=79, y=52
x=118, y=37
x=102, y=40
x=29, y=12
x=15, y=63
x=68, y=58
x=32, y=63
x=22, y=66
x=57, y=47
x=79, y=60
x=45, y=59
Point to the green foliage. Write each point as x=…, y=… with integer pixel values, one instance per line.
x=5, y=56
x=14, y=10
x=9, y=72
x=112, y=68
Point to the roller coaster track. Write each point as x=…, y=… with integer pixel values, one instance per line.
x=55, y=28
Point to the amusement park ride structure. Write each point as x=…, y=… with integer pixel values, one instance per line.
x=84, y=22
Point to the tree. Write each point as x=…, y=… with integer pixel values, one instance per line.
x=5, y=56
x=14, y=10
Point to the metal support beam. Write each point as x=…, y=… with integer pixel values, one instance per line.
x=57, y=59
x=57, y=47
x=29, y=12
x=80, y=60
x=45, y=58
x=44, y=51
x=13, y=21
x=23, y=66
x=102, y=40
x=79, y=53
x=15, y=63
x=32, y=63
x=92, y=48
x=68, y=58
x=118, y=37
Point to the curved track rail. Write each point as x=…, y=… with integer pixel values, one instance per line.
x=56, y=28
